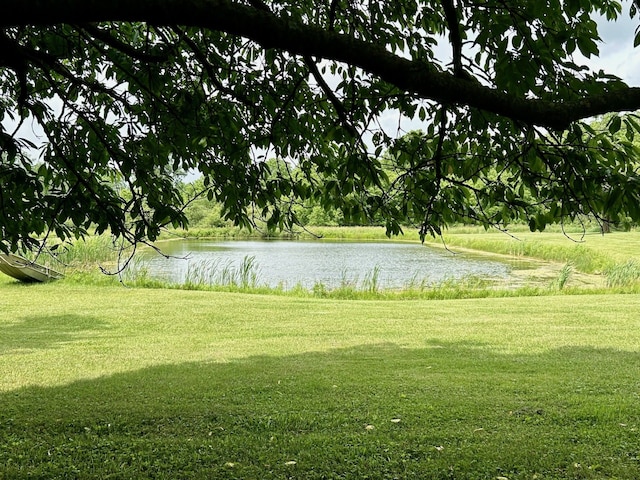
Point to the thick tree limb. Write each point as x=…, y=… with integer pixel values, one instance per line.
x=268, y=30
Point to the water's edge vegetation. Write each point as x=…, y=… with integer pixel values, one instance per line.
x=578, y=262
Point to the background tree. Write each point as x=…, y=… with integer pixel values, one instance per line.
x=138, y=89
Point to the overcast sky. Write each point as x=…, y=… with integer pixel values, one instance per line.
x=617, y=55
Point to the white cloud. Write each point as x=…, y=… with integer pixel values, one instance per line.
x=617, y=54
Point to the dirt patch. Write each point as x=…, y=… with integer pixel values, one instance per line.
x=548, y=273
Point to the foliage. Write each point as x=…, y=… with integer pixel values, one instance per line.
x=124, y=95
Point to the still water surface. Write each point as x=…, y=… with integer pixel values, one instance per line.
x=289, y=263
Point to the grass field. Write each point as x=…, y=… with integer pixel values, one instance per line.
x=114, y=382
x=588, y=252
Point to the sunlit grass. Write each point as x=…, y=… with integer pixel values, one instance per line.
x=312, y=232
x=588, y=252
x=466, y=380
x=99, y=382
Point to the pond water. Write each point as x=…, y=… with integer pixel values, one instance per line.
x=286, y=264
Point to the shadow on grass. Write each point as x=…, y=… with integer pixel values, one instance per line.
x=381, y=411
x=39, y=332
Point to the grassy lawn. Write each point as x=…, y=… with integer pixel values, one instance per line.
x=114, y=382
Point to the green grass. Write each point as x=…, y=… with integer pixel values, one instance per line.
x=114, y=382
x=588, y=253
x=624, y=274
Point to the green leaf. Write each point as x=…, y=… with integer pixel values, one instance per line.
x=614, y=124
x=587, y=46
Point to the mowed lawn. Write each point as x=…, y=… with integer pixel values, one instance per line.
x=115, y=382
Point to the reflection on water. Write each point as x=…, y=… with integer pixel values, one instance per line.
x=290, y=263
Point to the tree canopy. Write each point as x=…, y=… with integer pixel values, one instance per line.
x=104, y=101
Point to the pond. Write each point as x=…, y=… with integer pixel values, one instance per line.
x=287, y=264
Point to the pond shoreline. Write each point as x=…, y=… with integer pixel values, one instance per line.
x=290, y=264
x=523, y=271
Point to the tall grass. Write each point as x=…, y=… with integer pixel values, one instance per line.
x=575, y=228
x=371, y=281
x=549, y=247
x=314, y=232
x=355, y=233
x=564, y=275
x=216, y=273
x=82, y=255
x=623, y=275
x=230, y=232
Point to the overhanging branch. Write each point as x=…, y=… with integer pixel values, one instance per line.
x=270, y=31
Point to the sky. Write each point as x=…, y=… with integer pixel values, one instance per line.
x=617, y=54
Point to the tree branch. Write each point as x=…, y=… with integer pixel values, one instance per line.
x=107, y=38
x=270, y=31
x=455, y=38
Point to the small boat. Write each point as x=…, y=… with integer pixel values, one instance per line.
x=26, y=270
